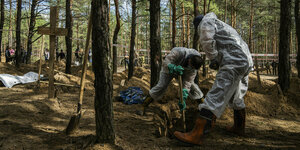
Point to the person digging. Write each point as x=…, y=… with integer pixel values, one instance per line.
x=180, y=61
x=230, y=55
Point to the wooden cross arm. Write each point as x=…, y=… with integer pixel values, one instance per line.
x=57, y=31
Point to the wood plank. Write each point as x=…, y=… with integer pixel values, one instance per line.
x=57, y=31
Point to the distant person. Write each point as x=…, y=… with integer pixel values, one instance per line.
x=7, y=54
x=90, y=56
x=62, y=55
x=46, y=54
x=274, y=67
x=268, y=67
x=23, y=54
x=57, y=54
x=77, y=53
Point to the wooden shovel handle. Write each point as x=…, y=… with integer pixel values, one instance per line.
x=181, y=99
x=86, y=53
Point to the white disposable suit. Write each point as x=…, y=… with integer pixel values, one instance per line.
x=222, y=43
x=177, y=56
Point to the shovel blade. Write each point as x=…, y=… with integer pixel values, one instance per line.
x=73, y=124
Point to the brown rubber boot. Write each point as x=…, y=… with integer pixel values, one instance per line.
x=202, y=126
x=239, y=122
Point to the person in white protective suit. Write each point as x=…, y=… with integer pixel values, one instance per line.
x=180, y=61
x=230, y=55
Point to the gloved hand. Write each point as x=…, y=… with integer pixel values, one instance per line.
x=185, y=95
x=173, y=69
x=214, y=64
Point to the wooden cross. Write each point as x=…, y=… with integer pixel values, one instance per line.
x=53, y=32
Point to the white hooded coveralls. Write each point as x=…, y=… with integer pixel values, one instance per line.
x=221, y=42
x=177, y=56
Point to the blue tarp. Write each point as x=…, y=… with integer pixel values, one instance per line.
x=133, y=95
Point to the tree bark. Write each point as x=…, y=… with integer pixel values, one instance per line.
x=1, y=25
x=183, y=25
x=204, y=7
x=155, y=41
x=68, y=38
x=251, y=26
x=188, y=32
x=297, y=20
x=10, y=24
x=103, y=75
x=196, y=36
x=132, y=41
x=115, y=37
x=225, y=15
x=31, y=28
x=284, y=45
x=174, y=23
x=18, y=34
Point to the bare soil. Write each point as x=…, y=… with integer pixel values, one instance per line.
x=29, y=120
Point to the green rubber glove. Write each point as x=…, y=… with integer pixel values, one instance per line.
x=185, y=95
x=173, y=69
x=182, y=106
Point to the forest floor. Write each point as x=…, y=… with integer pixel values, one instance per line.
x=31, y=121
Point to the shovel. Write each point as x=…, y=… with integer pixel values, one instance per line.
x=181, y=99
x=74, y=121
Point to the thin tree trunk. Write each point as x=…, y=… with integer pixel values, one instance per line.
x=18, y=34
x=31, y=28
x=10, y=24
x=251, y=26
x=68, y=38
x=77, y=34
x=196, y=36
x=174, y=23
x=1, y=26
x=284, y=49
x=115, y=37
x=103, y=75
x=297, y=20
x=204, y=7
x=155, y=41
x=183, y=25
x=132, y=40
x=170, y=26
x=188, y=32
x=225, y=15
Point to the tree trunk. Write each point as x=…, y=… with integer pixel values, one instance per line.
x=196, y=36
x=204, y=7
x=297, y=20
x=251, y=26
x=132, y=40
x=103, y=74
x=155, y=41
x=115, y=37
x=10, y=24
x=225, y=15
x=188, y=32
x=31, y=28
x=1, y=26
x=68, y=38
x=18, y=34
x=183, y=25
x=174, y=23
x=284, y=49
x=170, y=26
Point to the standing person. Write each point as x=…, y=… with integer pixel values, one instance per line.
x=62, y=55
x=230, y=55
x=46, y=54
x=180, y=61
x=7, y=54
